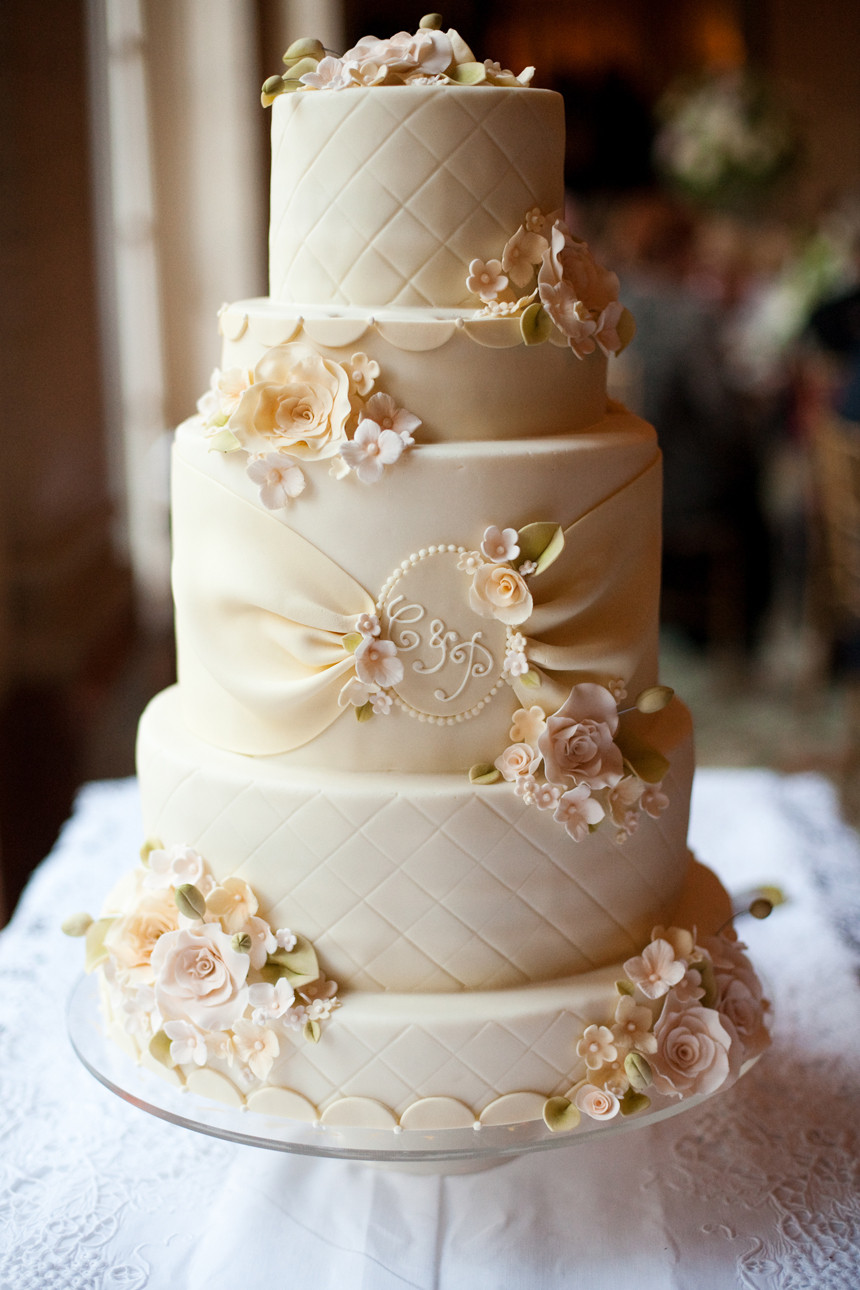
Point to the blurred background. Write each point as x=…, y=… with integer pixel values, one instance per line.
x=713, y=159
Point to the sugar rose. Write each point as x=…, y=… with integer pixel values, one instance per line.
x=200, y=978
x=132, y=938
x=298, y=405
x=578, y=742
x=499, y=592
x=576, y=291
x=695, y=1053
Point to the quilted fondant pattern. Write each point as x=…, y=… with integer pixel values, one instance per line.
x=383, y=197
x=438, y=888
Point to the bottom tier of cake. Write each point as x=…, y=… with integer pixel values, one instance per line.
x=680, y=1018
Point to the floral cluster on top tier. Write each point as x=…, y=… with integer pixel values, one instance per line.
x=195, y=973
x=297, y=407
x=690, y=1013
x=551, y=280
x=430, y=56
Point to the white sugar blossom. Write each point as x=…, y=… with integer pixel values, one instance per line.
x=256, y=1046
x=577, y=810
x=376, y=663
x=528, y=723
x=506, y=308
x=653, y=800
x=262, y=939
x=173, y=866
x=617, y=689
x=656, y=969
x=270, y=1001
x=278, y=478
x=522, y=253
x=331, y=74
x=470, y=561
x=516, y=663
x=547, y=796
x=234, y=903
x=370, y=450
x=623, y=801
x=500, y=545
x=354, y=692
x=187, y=1043
x=220, y=401
x=486, y=279
x=689, y=989
x=597, y=1046
x=382, y=409
x=524, y=787
x=527, y=568
x=368, y=625
x=632, y=1027
x=363, y=372
x=380, y=702
x=286, y=939
x=535, y=221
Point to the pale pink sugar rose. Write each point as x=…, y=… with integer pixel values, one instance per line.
x=741, y=1000
x=278, y=478
x=632, y=1028
x=486, y=278
x=521, y=254
x=500, y=545
x=131, y=939
x=517, y=760
x=298, y=405
x=500, y=592
x=656, y=969
x=599, y=1103
x=597, y=1047
x=370, y=450
x=695, y=1052
x=382, y=409
x=200, y=978
x=376, y=663
x=578, y=742
x=578, y=811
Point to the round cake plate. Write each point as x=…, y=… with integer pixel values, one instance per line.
x=446, y=1151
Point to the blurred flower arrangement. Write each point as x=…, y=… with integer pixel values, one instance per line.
x=724, y=138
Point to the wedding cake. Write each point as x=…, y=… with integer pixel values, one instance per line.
x=418, y=803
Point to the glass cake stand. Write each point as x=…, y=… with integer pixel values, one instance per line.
x=413, y=1151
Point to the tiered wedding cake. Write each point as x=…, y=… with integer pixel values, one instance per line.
x=419, y=804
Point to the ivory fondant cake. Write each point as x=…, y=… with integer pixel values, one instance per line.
x=418, y=802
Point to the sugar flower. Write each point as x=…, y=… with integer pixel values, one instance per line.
x=578, y=742
x=500, y=592
x=370, y=450
x=577, y=810
x=286, y=939
x=597, y=1046
x=599, y=1103
x=653, y=800
x=606, y=328
x=547, y=797
x=382, y=409
x=331, y=74
x=525, y=787
x=524, y=250
x=470, y=561
x=656, y=969
x=517, y=760
x=500, y=545
x=354, y=692
x=528, y=725
x=575, y=291
x=694, y=1051
x=486, y=279
x=535, y=220
x=131, y=938
x=376, y=663
x=278, y=477
x=256, y=1046
x=363, y=372
x=270, y=1001
x=632, y=1028
x=381, y=703
x=200, y=978
x=298, y=404
x=368, y=625
x=262, y=940
x=233, y=902
x=220, y=401
x=173, y=866
x=188, y=1044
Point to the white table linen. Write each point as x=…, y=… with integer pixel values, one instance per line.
x=759, y=1188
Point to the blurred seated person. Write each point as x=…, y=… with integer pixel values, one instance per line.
x=716, y=561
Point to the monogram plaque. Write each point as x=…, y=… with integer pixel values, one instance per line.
x=452, y=658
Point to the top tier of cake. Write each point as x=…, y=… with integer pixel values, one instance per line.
x=383, y=196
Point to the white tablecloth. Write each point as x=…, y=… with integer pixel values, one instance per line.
x=758, y=1188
